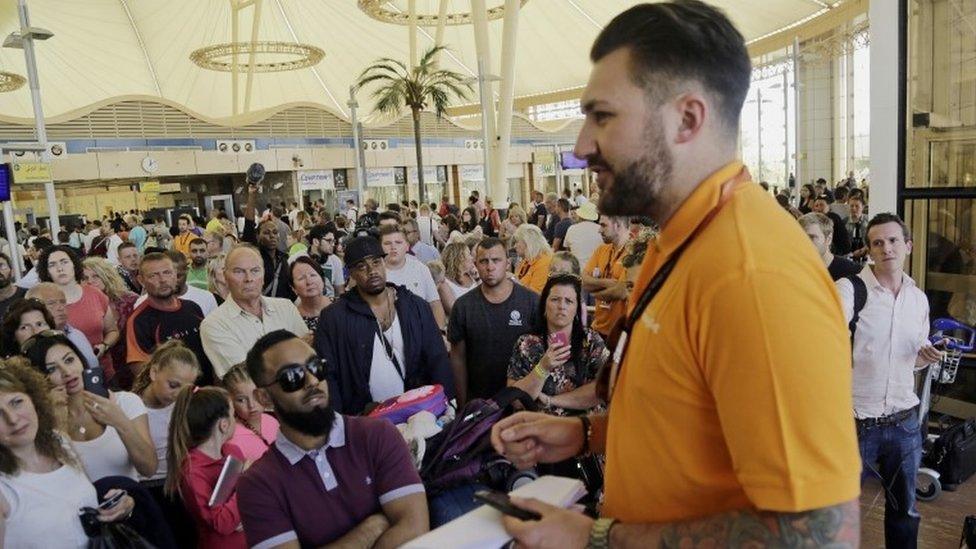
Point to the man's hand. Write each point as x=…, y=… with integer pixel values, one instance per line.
x=558, y=528
x=929, y=354
x=530, y=438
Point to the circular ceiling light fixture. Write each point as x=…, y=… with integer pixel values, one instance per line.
x=10, y=81
x=281, y=56
x=377, y=10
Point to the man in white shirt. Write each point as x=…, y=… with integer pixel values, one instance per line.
x=889, y=335
x=405, y=270
x=203, y=298
x=424, y=252
x=94, y=233
x=114, y=241
x=583, y=237
x=229, y=332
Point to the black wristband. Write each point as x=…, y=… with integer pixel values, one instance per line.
x=587, y=430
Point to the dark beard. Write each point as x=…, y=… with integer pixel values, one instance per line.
x=315, y=422
x=4, y=282
x=640, y=187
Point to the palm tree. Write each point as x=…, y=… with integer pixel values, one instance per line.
x=417, y=89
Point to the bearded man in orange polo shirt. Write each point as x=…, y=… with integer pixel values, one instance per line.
x=730, y=417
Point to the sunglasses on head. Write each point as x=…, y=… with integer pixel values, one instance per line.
x=292, y=376
x=28, y=344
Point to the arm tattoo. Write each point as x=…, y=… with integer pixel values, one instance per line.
x=837, y=527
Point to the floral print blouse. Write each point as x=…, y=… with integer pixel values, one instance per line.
x=530, y=348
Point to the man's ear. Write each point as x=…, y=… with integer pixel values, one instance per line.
x=263, y=398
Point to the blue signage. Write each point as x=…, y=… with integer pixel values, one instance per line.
x=5, y=179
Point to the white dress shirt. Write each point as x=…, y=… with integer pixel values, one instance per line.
x=229, y=332
x=890, y=331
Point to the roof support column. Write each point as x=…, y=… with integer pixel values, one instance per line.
x=255, y=25
x=413, y=33
x=441, y=23
x=498, y=188
x=235, y=69
x=479, y=19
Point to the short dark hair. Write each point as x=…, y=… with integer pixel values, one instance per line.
x=197, y=241
x=490, y=242
x=42, y=243
x=254, y=362
x=886, y=217
x=42, y=271
x=318, y=232
x=307, y=261
x=682, y=39
x=153, y=256
x=389, y=214
x=11, y=321
x=176, y=257
x=564, y=204
x=126, y=245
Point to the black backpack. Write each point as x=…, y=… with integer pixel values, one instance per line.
x=860, y=300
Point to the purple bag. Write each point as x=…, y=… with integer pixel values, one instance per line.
x=398, y=409
x=458, y=454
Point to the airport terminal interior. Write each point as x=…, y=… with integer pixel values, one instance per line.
x=178, y=124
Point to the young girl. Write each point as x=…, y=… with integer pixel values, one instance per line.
x=256, y=430
x=201, y=425
x=171, y=367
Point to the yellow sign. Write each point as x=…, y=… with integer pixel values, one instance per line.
x=31, y=172
x=149, y=187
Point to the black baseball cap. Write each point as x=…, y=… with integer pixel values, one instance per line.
x=362, y=247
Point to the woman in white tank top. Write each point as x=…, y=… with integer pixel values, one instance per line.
x=460, y=276
x=42, y=484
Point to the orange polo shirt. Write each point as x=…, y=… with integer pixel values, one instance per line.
x=735, y=392
x=534, y=274
x=606, y=258
x=181, y=243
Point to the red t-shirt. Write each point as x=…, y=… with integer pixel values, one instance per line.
x=218, y=526
x=88, y=315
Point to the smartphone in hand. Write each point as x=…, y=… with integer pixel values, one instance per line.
x=94, y=380
x=112, y=501
x=558, y=338
x=503, y=503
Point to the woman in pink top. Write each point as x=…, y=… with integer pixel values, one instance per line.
x=88, y=307
x=256, y=431
x=199, y=435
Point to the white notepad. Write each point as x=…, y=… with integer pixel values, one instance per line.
x=482, y=528
x=227, y=481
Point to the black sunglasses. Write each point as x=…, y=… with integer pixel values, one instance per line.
x=292, y=377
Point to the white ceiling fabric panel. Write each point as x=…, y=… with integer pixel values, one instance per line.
x=96, y=54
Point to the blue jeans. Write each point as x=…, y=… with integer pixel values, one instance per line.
x=453, y=503
x=893, y=453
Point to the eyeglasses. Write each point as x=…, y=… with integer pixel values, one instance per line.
x=292, y=377
x=29, y=343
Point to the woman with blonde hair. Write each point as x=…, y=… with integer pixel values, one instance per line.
x=534, y=255
x=460, y=276
x=215, y=276
x=99, y=273
x=42, y=483
x=516, y=217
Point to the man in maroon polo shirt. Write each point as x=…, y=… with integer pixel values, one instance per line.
x=327, y=478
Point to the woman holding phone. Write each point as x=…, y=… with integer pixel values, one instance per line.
x=42, y=484
x=557, y=361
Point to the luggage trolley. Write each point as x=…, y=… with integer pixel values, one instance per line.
x=959, y=338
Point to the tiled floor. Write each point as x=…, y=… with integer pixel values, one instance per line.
x=941, y=519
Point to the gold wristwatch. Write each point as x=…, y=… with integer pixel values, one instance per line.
x=600, y=533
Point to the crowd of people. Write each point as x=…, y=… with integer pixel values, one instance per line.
x=141, y=357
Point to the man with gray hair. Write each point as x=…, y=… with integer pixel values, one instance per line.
x=51, y=295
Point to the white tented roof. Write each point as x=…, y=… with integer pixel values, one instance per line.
x=103, y=50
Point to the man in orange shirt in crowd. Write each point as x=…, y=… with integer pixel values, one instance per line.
x=181, y=242
x=730, y=406
x=604, y=275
